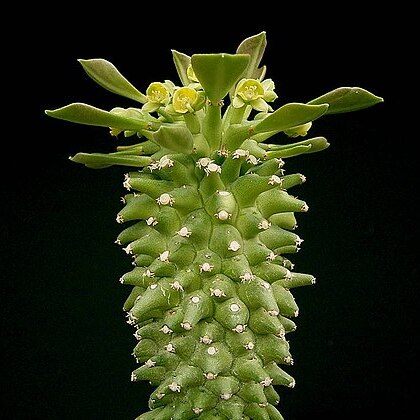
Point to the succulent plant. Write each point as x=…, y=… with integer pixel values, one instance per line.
x=211, y=224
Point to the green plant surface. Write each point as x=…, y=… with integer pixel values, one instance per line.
x=210, y=227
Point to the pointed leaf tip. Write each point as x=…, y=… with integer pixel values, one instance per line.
x=103, y=160
x=181, y=61
x=347, y=99
x=255, y=47
x=106, y=75
x=89, y=115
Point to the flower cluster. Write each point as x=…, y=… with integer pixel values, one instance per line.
x=167, y=98
x=191, y=98
x=174, y=99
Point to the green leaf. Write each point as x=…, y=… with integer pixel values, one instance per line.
x=89, y=115
x=182, y=61
x=146, y=147
x=106, y=75
x=174, y=137
x=290, y=151
x=255, y=47
x=217, y=73
x=102, y=160
x=290, y=115
x=317, y=144
x=346, y=99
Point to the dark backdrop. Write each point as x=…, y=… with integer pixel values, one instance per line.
x=66, y=345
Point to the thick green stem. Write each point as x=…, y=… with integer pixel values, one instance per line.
x=212, y=126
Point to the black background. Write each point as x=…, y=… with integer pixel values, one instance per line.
x=66, y=345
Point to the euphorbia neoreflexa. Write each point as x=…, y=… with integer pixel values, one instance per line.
x=210, y=226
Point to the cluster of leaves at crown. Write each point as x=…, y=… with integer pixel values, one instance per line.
x=213, y=221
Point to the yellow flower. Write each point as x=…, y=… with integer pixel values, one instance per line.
x=254, y=93
x=184, y=100
x=157, y=95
